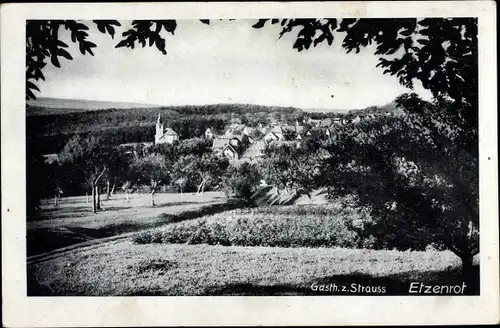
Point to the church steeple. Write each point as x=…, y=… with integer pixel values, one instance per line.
x=159, y=129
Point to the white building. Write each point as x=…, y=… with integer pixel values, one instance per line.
x=164, y=135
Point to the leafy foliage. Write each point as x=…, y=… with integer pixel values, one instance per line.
x=243, y=180
x=304, y=226
x=441, y=53
x=418, y=174
x=43, y=41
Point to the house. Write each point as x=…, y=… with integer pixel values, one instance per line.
x=325, y=123
x=312, y=122
x=219, y=144
x=336, y=121
x=222, y=146
x=164, y=135
x=209, y=133
x=230, y=152
x=357, y=119
x=299, y=129
x=235, y=127
x=249, y=131
x=275, y=134
x=315, y=130
x=234, y=140
x=255, y=151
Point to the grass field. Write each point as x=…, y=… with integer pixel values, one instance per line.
x=73, y=222
x=123, y=268
x=163, y=266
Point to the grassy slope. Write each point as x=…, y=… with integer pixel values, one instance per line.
x=73, y=221
x=122, y=268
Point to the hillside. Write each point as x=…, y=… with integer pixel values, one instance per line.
x=51, y=122
x=387, y=108
x=48, y=106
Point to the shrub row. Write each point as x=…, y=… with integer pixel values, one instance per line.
x=289, y=226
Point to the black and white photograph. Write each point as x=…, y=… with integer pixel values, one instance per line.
x=270, y=156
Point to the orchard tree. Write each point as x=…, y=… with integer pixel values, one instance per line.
x=151, y=170
x=295, y=168
x=419, y=177
x=89, y=158
x=182, y=176
x=243, y=180
x=205, y=170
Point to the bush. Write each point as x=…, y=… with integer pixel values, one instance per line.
x=290, y=226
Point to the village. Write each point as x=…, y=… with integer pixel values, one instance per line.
x=241, y=143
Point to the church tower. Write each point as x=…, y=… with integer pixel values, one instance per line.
x=159, y=129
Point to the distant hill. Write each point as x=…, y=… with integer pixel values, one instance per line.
x=387, y=108
x=48, y=106
x=51, y=106
x=51, y=122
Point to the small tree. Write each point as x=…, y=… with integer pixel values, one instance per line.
x=89, y=157
x=182, y=175
x=243, y=181
x=152, y=171
x=205, y=170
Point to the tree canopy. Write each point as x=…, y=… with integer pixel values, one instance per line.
x=442, y=53
x=43, y=42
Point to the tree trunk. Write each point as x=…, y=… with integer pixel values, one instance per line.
x=94, y=200
x=469, y=276
x=56, y=200
x=113, y=189
x=203, y=188
x=98, y=203
x=108, y=192
x=153, y=198
x=467, y=265
x=87, y=197
x=128, y=197
x=199, y=187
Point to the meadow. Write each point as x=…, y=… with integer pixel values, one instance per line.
x=122, y=268
x=142, y=250
x=72, y=221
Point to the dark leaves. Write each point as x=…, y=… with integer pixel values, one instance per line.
x=409, y=49
x=31, y=85
x=107, y=26
x=147, y=33
x=55, y=61
x=260, y=23
x=42, y=41
x=64, y=53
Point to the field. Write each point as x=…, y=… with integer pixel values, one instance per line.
x=283, y=226
x=118, y=265
x=72, y=221
x=123, y=268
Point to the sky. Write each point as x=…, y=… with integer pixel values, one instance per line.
x=224, y=62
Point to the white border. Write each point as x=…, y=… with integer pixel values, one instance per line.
x=19, y=310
